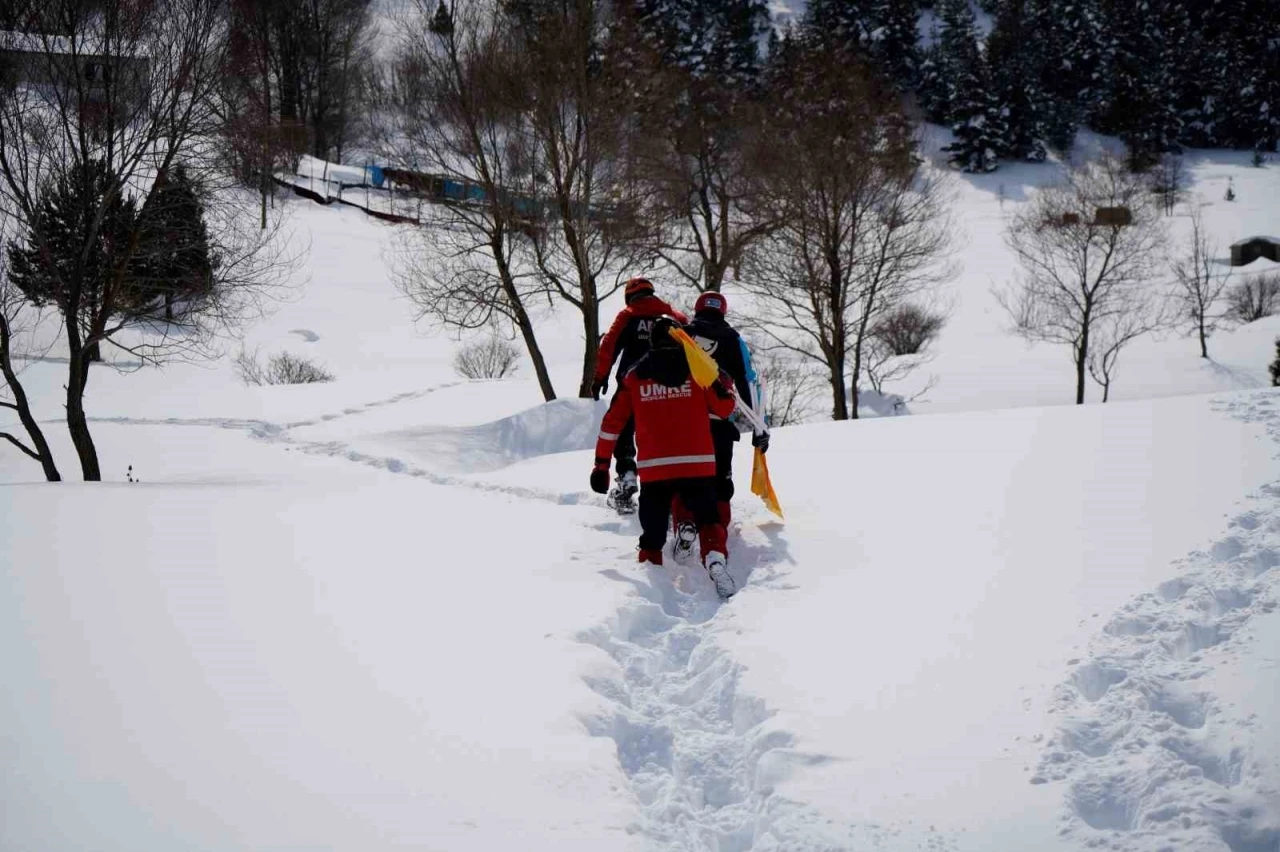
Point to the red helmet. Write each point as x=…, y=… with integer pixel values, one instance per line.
x=711, y=301
x=636, y=288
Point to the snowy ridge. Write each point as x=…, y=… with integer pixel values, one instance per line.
x=702, y=757
x=1153, y=758
x=537, y=431
x=559, y=426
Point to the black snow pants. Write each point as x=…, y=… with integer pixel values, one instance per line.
x=624, y=450
x=698, y=496
x=724, y=434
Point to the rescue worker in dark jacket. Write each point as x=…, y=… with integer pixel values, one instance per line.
x=627, y=341
x=721, y=341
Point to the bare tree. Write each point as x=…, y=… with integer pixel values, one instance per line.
x=280, y=369
x=793, y=388
x=491, y=358
x=1116, y=332
x=583, y=204
x=881, y=366
x=103, y=111
x=863, y=226
x=1168, y=180
x=336, y=49
x=462, y=100
x=251, y=132
x=699, y=149
x=1201, y=281
x=16, y=316
x=1089, y=248
x=1255, y=298
x=908, y=329
x=297, y=79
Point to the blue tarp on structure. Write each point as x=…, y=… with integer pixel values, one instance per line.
x=375, y=175
x=462, y=191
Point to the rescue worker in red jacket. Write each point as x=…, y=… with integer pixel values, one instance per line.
x=627, y=341
x=677, y=457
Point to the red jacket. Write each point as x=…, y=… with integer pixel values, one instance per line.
x=629, y=335
x=673, y=431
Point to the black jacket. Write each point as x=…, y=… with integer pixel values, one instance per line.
x=628, y=338
x=723, y=343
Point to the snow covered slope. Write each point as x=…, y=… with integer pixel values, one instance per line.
x=386, y=613
x=972, y=631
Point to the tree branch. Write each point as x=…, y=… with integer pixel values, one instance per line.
x=21, y=446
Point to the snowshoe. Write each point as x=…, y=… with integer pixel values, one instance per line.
x=686, y=535
x=622, y=498
x=719, y=571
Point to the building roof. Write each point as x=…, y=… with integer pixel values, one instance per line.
x=1247, y=240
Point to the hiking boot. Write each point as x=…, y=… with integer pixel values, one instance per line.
x=719, y=571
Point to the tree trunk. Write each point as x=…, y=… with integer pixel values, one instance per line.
x=29, y=422
x=591, y=334
x=522, y=320
x=840, y=401
x=840, y=408
x=857, y=373
x=1080, y=376
x=77, y=422
x=535, y=353
x=1204, y=342
x=714, y=276
x=1082, y=359
x=95, y=352
x=168, y=306
x=267, y=159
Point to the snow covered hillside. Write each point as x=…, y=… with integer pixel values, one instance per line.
x=977, y=632
x=978, y=364
x=386, y=612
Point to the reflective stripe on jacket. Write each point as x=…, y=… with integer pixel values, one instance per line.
x=673, y=431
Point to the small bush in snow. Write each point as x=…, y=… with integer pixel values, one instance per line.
x=282, y=369
x=1275, y=367
x=1168, y=180
x=1254, y=299
x=793, y=390
x=492, y=358
x=907, y=330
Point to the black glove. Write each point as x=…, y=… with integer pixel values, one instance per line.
x=598, y=387
x=761, y=440
x=600, y=480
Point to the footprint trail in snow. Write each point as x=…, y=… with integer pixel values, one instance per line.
x=1151, y=760
x=702, y=758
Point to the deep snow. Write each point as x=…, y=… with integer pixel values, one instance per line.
x=386, y=612
x=405, y=657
